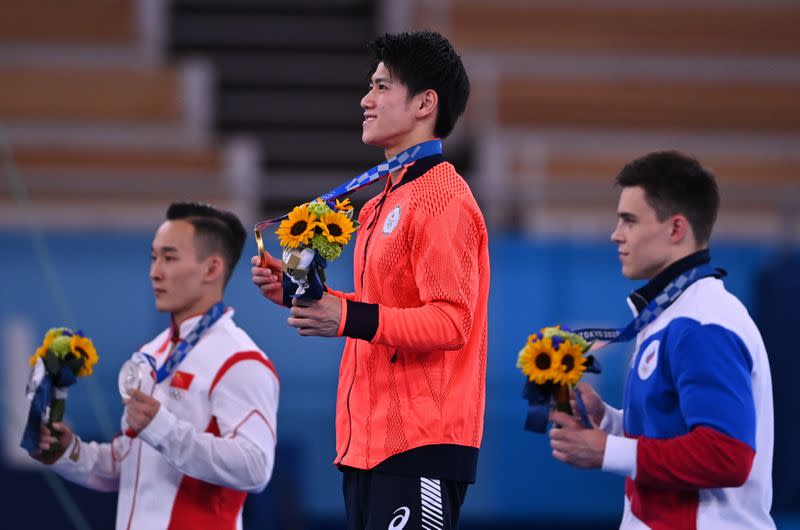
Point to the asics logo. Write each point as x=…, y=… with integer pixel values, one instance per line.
x=399, y=521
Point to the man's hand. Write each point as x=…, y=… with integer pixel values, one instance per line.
x=268, y=279
x=316, y=318
x=140, y=410
x=62, y=434
x=575, y=445
x=595, y=407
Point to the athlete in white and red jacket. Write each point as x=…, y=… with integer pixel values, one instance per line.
x=194, y=444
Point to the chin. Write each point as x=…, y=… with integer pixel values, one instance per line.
x=368, y=140
x=631, y=274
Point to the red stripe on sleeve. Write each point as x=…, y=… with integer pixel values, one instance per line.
x=702, y=458
x=242, y=356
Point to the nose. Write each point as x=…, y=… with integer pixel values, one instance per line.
x=366, y=101
x=616, y=235
x=155, y=270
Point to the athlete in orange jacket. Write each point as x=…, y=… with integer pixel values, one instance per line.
x=409, y=414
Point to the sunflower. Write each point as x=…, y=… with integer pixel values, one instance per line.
x=298, y=228
x=533, y=338
x=572, y=363
x=82, y=347
x=343, y=206
x=539, y=361
x=337, y=227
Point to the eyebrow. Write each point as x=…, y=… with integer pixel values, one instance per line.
x=380, y=80
x=164, y=249
x=626, y=216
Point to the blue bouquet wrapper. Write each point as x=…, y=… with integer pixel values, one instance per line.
x=42, y=398
x=538, y=397
x=308, y=285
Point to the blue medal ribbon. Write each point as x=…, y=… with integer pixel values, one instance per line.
x=653, y=310
x=182, y=350
x=425, y=149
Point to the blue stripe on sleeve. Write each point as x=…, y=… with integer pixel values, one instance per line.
x=711, y=368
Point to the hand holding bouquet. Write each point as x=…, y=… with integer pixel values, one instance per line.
x=63, y=356
x=553, y=361
x=312, y=235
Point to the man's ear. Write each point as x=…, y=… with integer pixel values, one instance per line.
x=427, y=103
x=215, y=268
x=680, y=228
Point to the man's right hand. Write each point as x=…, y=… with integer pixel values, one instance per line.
x=63, y=435
x=595, y=407
x=270, y=278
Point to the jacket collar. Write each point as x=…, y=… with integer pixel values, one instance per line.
x=417, y=169
x=645, y=294
x=179, y=332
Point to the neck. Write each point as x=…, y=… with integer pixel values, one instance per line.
x=199, y=308
x=395, y=177
x=644, y=294
x=412, y=139
x=408, y=143
x=680, y=254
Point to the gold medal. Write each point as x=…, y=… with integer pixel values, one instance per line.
x=260, y=244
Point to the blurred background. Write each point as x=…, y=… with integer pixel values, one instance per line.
x=111, y=109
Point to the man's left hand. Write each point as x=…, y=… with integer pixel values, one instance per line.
x=141, y=409
x=316, y=318
x=576, y=445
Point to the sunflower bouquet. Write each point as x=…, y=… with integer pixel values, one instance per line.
x=312, y=235
x=553, y=361
x=63, y=356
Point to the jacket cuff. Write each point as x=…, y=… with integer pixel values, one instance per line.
x=159, y=428
x=70, y=455
x=342, y=318
x=612, y=420
x=361, y=320
x=620, y=456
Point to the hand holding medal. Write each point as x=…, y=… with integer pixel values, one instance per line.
x=314, y=233
x=136, y=374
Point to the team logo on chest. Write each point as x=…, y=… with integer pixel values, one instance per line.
x=648, y=360
x=391, y=220
x=181, y=381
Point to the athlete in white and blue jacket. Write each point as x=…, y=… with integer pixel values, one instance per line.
x=694, y=438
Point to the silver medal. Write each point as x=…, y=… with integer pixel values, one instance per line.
x=131, y=377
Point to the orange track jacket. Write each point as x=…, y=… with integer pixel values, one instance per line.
x=413, y=371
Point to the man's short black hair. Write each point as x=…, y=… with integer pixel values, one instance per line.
x=425, y=60
x=215, y=231
x=675, y=183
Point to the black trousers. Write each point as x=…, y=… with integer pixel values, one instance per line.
x=380, y=501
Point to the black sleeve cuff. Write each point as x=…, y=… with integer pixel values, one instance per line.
x=362, y=320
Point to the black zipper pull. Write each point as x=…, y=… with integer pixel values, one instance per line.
x=394, y=357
